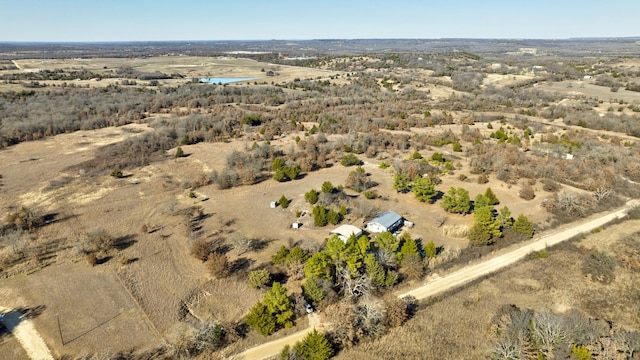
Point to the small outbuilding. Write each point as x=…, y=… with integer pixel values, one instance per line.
x=344, y=232
x=387, y=221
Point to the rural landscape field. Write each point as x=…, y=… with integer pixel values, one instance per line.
x=216, y=201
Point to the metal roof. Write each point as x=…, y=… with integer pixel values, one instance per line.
x=387, y=219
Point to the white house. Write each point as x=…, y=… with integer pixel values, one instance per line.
x=387, y=221
x=344, y=232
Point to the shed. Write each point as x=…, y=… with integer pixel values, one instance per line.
x=344, y=232
x=387, y=221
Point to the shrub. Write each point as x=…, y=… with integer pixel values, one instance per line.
x=600, y=265
x=179, y=152
x=319, y=216
x=92, y=259
x=200, y=249
x=218, y=265
x=25, y=219
x=370, y=194
x=259, y=278
x=527, y=192
x=437, y=157
x=116, y=173
x=383, y=165
x=350, y=160
x=333, y=217
x=311, y=196
x=284, y=202
x=523, y=226
x=415, y=156
x=430, y=249
x=327, y=187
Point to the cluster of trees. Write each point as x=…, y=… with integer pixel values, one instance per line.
x=523, y=333
x=353, y=270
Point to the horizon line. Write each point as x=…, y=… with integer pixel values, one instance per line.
x=312, y=39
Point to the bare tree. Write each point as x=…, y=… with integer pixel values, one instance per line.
x=508, y=348
x=628, y=342
x=548, y=329
x=602, y=193
x=354, y=286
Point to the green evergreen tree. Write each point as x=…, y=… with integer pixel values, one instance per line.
x=479, y=202
x=284, y=202
x=390, y=278
x=504, y=218
x=401, y=183
x=333, y=217
x=319, y=265
x=335, y=248
x=484, y=217
x=479, y=235
x=409, y=247
x=179, y=152
x=456, y=146
x=457, y=201
x=311, y=196
x=327, y=187
x=296, y=254
x=280, y=256
x=364, y=244
x=424, y=189
x=314, y=346
x=493, y=199
x=312, y=290
x=523, y=226
x=261, y=319
x=319, y=216
x=374, y=270
x=259, y=278
x=292, y=172
x=430, y=249
x=277, y=164
x=279, y=305
x=386, y=240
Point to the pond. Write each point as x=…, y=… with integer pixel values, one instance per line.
x=223, y=80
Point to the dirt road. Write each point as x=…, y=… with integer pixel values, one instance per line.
x=26, y=334
x=442, y=284
x=274, y=347
x=456, y=279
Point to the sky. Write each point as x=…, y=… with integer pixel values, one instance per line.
x=167, y=20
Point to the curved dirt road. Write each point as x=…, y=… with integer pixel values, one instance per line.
x=26, y=334
x=456, y=279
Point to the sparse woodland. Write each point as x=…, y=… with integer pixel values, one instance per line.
x=435, y=123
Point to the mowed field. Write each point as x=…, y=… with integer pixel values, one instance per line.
x=151, y=283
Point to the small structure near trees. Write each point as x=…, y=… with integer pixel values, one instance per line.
x=387, y=221
x=344, y=232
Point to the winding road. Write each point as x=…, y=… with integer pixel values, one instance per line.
x=439, y=285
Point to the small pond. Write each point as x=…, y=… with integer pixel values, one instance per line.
x=223, y=80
